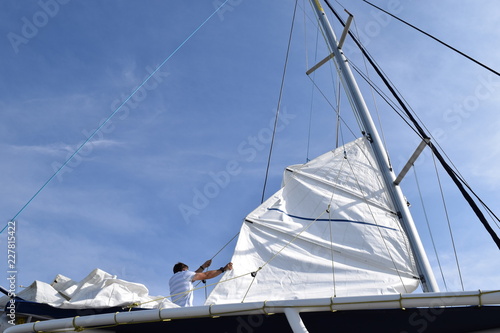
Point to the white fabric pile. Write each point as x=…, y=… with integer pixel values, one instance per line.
x=98, y=290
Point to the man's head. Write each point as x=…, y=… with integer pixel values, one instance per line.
x=179, y=267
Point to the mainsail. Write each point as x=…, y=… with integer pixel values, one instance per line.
x=331, y=230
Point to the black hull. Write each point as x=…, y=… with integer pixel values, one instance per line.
x=420, y=320
x=458, y=319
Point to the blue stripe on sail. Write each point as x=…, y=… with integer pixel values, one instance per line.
x=331, y=220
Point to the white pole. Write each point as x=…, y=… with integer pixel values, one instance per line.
x=426, y=275
x=468, y=299
x=296, y=323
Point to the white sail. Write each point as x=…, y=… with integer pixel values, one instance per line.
x=331, y=230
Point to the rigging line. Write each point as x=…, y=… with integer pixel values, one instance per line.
x=379, y=227
x=336, y=93
x=337, y=109
x=340, y=77
x=312, y=101
x=429, y=226
x=339, y=132
x=367, y=79
x=308, y=17
x=333, y=108
x=330, y=220
x=310, y=124
x=436, y=39
x=341, y=5
x=451, y=173
x=384, y=97
x=339, y=136
x=372, y=61
x=397, y=109
x=225, y=245
x=305, y=34
x=490, y=212
x=494, y=217
x=279, y=103
x=448, y=221
x=384, y=141
x=333, y=261
x=114, y=112
x=215, y=256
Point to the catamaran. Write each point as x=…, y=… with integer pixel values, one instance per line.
x=335, y=249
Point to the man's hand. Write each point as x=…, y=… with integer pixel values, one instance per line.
x=207, y=264
x=211, y=274
x=204, y=266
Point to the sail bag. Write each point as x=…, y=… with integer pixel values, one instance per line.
x=331, y=230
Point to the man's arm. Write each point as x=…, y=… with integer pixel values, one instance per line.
x=205, y=265
x=211, y=274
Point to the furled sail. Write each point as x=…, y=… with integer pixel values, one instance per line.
x=331, y=230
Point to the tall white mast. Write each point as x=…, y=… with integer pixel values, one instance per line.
x=426, y=275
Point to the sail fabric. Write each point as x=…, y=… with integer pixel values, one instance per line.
x=99, y=289
x=331, y=230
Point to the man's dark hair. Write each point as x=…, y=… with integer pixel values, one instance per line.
x=179, y=267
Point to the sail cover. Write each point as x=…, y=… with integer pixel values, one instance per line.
x=331, y=230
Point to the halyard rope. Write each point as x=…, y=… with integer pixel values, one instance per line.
x=114, y=113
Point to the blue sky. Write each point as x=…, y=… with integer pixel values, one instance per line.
x=172, y=175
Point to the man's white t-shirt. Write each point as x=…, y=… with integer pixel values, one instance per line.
x=181, y=286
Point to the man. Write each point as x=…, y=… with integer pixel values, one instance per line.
x=181, y=284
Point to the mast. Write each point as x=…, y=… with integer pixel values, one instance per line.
x=427, y=278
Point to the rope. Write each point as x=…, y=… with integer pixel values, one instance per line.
x=382, y=95
x=114, y=113
x=225, y=245
x=337, y=111
x=349, y=96
x=338, y=129
x=382, y=132
x=448, y=221
x=332, y=252
x=429, y=227
x=279, y=102
x=305, y=34
x=436, y=39
x=205, y=282
x=330, y=225
x=311, y=108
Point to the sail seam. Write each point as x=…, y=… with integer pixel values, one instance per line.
x=330, y=220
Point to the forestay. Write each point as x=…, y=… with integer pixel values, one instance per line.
x=331, y=230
